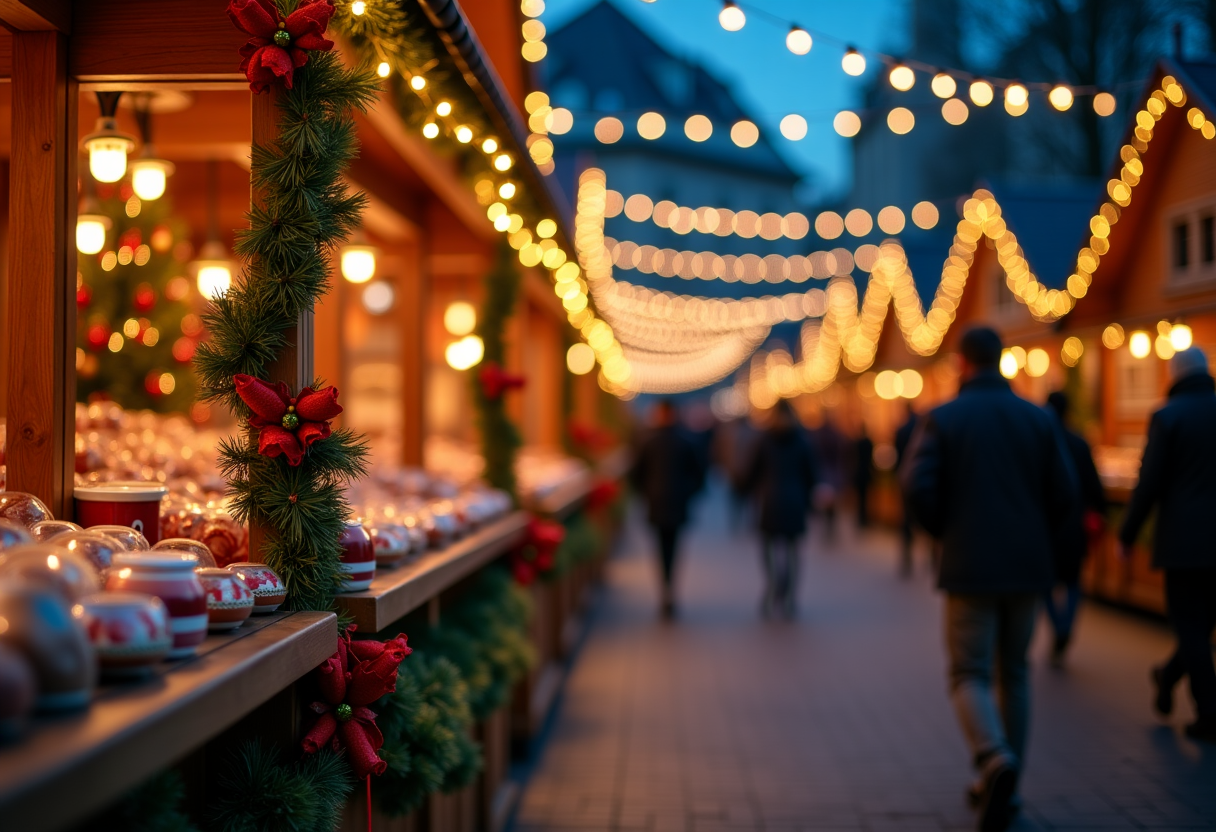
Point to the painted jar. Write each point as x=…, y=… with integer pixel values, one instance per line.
x=170, y=577
x=129, y=630
x=358, y=557
x=229, y=599
x=268, y=589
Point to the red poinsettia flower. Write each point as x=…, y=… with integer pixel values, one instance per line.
x=494, y=382
x=545, y=535
x=358, y=674
x=288, y=424
x=278, y=45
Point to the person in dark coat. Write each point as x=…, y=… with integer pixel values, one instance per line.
x=782, y=478
x=831, y=452
x=1087, y=522
x=903, y=438
x=988, y=474
x=1178, y=478
x=863, y=475
x=668, y=472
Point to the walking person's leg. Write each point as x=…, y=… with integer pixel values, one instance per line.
x=768, y=556
x=668, y=540
x=1015, y=632
x=792, y=570
x=905, y=551
x=971, y=641
x=1190, y=597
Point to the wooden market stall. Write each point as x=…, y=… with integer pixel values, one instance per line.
x=434, y=246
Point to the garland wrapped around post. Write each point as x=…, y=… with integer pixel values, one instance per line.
x=288, y=473
x=499, y=437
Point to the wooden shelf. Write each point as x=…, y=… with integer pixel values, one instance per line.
x=70, y=766
x=397, y=592
x=570, y=494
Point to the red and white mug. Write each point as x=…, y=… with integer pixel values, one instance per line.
x=170, y=577
x=132, y=504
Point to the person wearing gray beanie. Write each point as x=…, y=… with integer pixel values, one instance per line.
x=1186, y=363
x=1178, y=479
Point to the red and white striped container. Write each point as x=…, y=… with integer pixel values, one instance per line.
x=358, y=557
x=135, y=505
x=170, y=577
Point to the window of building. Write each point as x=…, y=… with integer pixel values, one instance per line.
x=1207, y=239
x=1182, y=245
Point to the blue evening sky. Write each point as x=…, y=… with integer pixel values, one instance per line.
x=769, y=80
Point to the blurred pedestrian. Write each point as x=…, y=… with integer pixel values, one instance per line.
x=863, y=475
x=988, y=474
x=1087, y=523
x=668, y=472
x=903, y=436
x=830, y=451
x=782, y=478
x=1178, y=478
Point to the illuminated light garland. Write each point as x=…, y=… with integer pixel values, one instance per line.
x=748, y=268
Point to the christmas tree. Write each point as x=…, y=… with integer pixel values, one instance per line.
x=136, y=330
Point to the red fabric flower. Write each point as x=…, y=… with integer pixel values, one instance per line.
x=358, y=674
x=495, y=382
x=288, y=425
x=278, y=45
x=602, y=494
x=538, y=553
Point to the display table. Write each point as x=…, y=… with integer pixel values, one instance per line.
x=396, y=592
x=70, y=766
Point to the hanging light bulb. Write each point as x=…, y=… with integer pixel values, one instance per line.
x=91, y=232
x=106, y=145
x=902, y=77
x=1016, y=95
x=981, y=93
x=358, y=262
x=149, y=175
x=853, y=62
x=1060, y=97
x=731, y=17
x=798, y=40
x=212, y=269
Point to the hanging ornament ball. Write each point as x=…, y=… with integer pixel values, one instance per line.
x=291, y=421
x=344, y=712
x=282, y=38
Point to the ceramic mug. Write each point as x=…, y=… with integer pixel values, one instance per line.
x=170, y=577
x=135, y=505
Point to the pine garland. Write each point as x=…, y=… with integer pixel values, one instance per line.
x=303, y=214
x=264, y=792
x=427, y=744
x=153, y=806
x=500, y=439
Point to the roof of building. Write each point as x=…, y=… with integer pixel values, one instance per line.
x=602, y=63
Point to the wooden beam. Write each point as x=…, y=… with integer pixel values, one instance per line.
x=149, y=40
x=37, y=15
x=41, y=310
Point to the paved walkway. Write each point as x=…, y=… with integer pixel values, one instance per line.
x=838, y=721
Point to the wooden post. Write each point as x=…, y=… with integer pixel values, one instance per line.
x=295, y=363
x=412, y=301
x=40, y=323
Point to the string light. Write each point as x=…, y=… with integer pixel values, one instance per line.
x=430, y=130
x=902, y=78
x=1060, y=97
x=847, y=123
x=698, y=128
x=794, y=127
x=744, y=133
x=383, y=69
x=981, y=93
x=443, y=109
x=417, y=83
x=1139, y=344
x=943, y=85
x=853, y=62
x=731, y=17
x=954, y=111
x=1016, y=95
x=798, y=40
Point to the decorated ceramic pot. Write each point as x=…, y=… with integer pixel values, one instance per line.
x=185, y=544
x=46, y=564
x=23, y=509
x=129, y=630
x=13, y=534
x=41, y=628
x=129, y=539
x=44, y=530
x=229, y=599
x=358, y=557
x=18, y=690
x=135, y=505
x=415, y=533
x=447, y=525
x=98, y=549
x=391, y=543
x=170, y=577
x=268, y=589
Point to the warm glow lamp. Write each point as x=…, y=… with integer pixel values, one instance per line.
x=213, y=270
x=150, y=176
x=853, y=62
x=358, y=263
x=91, y=232
x=731, y=17
x=106, y=145
x=798, y=40
x=459, y=318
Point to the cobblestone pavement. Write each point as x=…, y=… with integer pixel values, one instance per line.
x=838, y=720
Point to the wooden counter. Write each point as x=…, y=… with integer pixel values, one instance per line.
x=70, y=766
x=397, y=592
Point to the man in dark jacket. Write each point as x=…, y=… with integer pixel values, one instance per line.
x=1087, y=521
x=667, y=473
x=988, y=474
x=1178, y=477
x=782, y=478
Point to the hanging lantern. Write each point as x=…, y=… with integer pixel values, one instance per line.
x=91, y=232
x=149, y=175
x=106, y=145
x=212, y=269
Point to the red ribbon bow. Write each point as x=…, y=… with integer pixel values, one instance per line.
x=279, y=45
x=494, y=382
x=350, y=680
x=288, y=424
